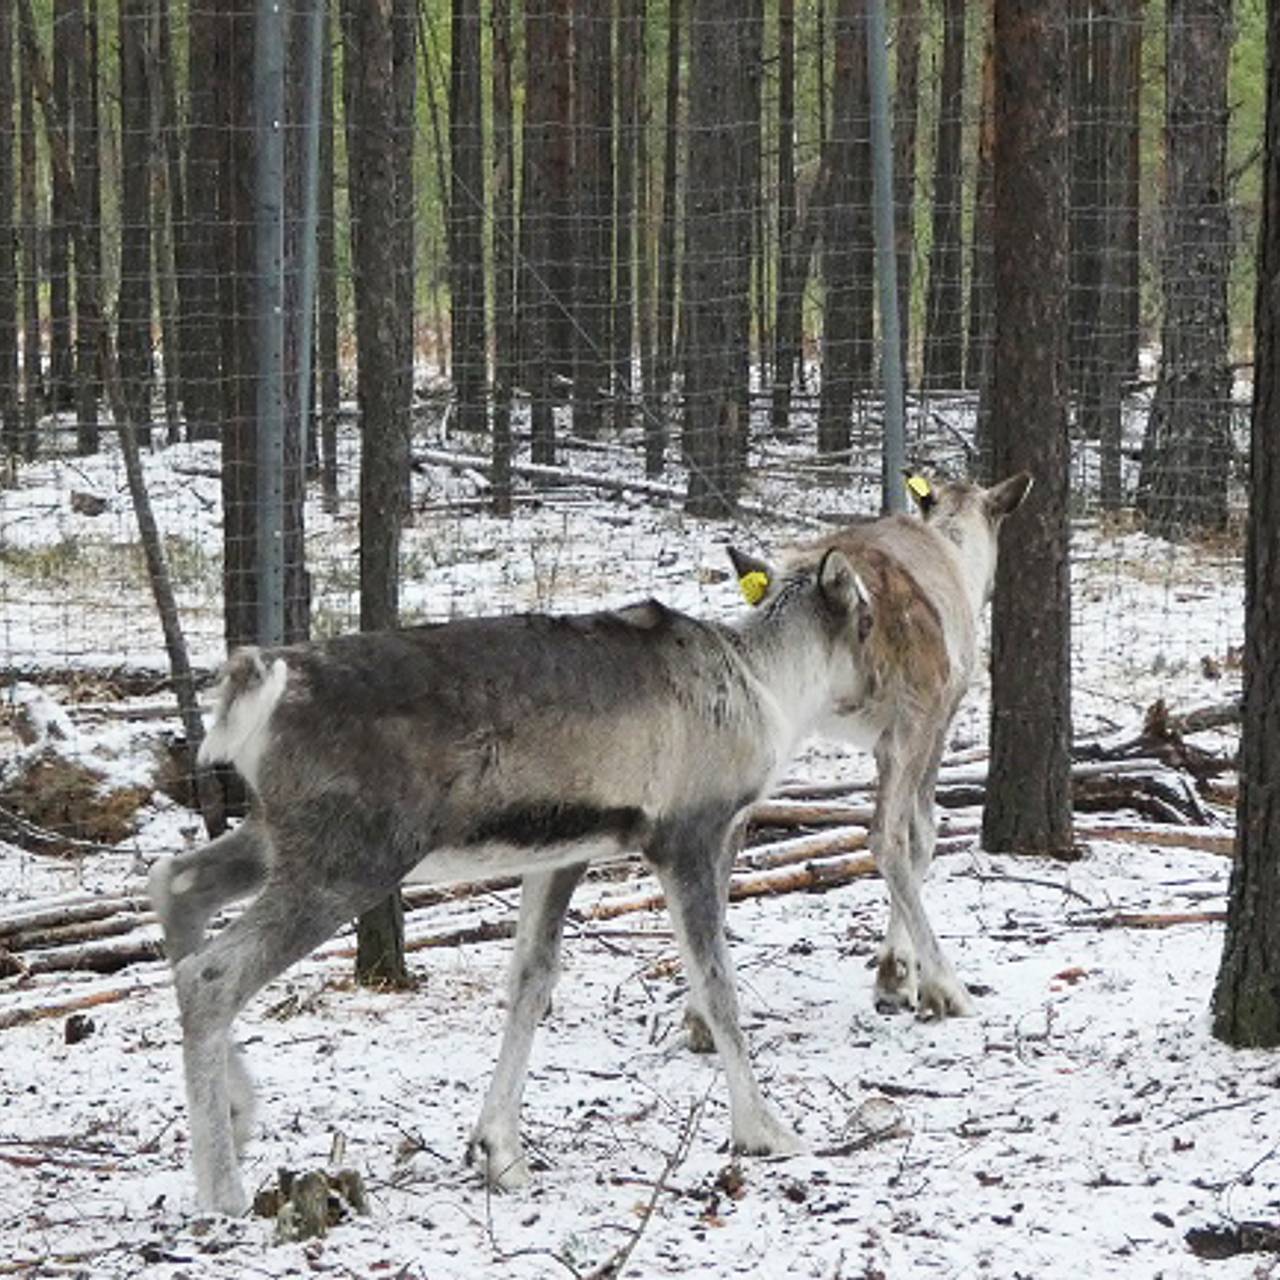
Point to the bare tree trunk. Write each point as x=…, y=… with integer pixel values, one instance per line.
x=724, y=57
x=977, y=365
x=1028, y=803
x=61, y=362
x=786, y=324
x=593, y=188
x=167, y=182
x=667, y=274
x=1187, y=451
x=944, y=309
x=372, y=152
x=466, y=216
x=88, y=237
x=562, y=234
x=10, y=422
x=328, y=373
x=631, y=36
x=906, y=110
x=655, y=433
x=133, y=308
x=848, y=248
x=1084, y=139
x=504, y=255
x=32, y=374
x=1246, y=997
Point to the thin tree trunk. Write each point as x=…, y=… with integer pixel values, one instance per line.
x=848, y=248
x=655, y=435
x=906, y=110
x=944, y=308
x=466, y=216
x=977, y=364
x=10, y=421
x=667, y=274
x=504, y=255
x=1187, y=452
x=166, y=207
x=32, y=373
x=725, y=53
x=1028, y=803
x=88, y=237
x=625, y=240
x=133, y=308
x=1246, y=997
x=593, y=188
x=61, y=361
x=786, y=324
x=372, y=153
x=404, y=63
x=1084, y=139
x=562, y=233
x=1130, y=36
x=328, y=374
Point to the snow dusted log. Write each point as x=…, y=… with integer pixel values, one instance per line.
x=1217, y=841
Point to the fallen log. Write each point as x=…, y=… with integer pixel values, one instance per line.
x=1146, y=919
x=1174, y=837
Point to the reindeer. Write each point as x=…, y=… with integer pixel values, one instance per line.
x=929, y=579
x=527, y=745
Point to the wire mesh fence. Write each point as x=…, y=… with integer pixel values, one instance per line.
x=593, y=291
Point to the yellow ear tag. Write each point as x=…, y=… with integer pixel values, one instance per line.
x=920, y=487
x=754, y=585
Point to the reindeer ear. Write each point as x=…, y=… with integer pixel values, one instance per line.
x=1006, y=497
x=840, y=585
x=755, y=576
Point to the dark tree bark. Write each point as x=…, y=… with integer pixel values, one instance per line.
x=725, y=53
x=133, y=308
x=1246, y=997
x=667, y=264
x=631, y=35
x=977, y=359
x=593, y=190
x=848, y=250
x=1187, y=450
x=88, y=236
x=198, y=238
x=944, y=303
x=787, y=314
x=32, y=373
x=561, y=230
x=167, y=175
x=504, y=255
x=655, y=431
x=62, y=371
x=328, y=375
x=10, y=428
x=466, y=216
x=1028, y=803
x=1130, y=53
x=372, y=152
x=1084, y=140
x=906, y=110
x=542, y=283
x=224, y=143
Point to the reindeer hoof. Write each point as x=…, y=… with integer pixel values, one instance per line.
x=699, y=1035
x=896, y=982
x=766, y=1135
x=945, y=997
x=501, y=1160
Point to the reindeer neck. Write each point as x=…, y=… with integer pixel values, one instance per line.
x=972, y=550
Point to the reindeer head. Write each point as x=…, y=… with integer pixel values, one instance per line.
x=970, y=516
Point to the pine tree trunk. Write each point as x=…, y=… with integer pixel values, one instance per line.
x=133, y=308
x=168, y=200
x=1028, y=802
x=504, y=255
x=906, y=110
x=1246, y=997
x=88, y=236
x=724, y=58
x=1084, y=245
x=466, y=217
x=593, y=192
x=625, y=241
x=328, y=373
x=944, y=306
x=372, y=154
x=977, y=358
x=786, y=323
x=667, y=274
x=32, y=374
x=10, y=428
x=562, y=234
x=848, y=247
x=1187, y=451
x=61, y=362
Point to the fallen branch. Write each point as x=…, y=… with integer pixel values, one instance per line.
x=1219, y=841
x=1146, y=919
x=38, y=1009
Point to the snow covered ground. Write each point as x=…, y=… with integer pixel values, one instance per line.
x=1080, y=1126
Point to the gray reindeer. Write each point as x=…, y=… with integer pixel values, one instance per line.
x=526, y=745
x=929, y=578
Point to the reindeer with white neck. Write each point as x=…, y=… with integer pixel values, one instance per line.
x=526, y=745
x=929, y=578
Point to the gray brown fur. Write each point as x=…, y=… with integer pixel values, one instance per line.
x=526, y=745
